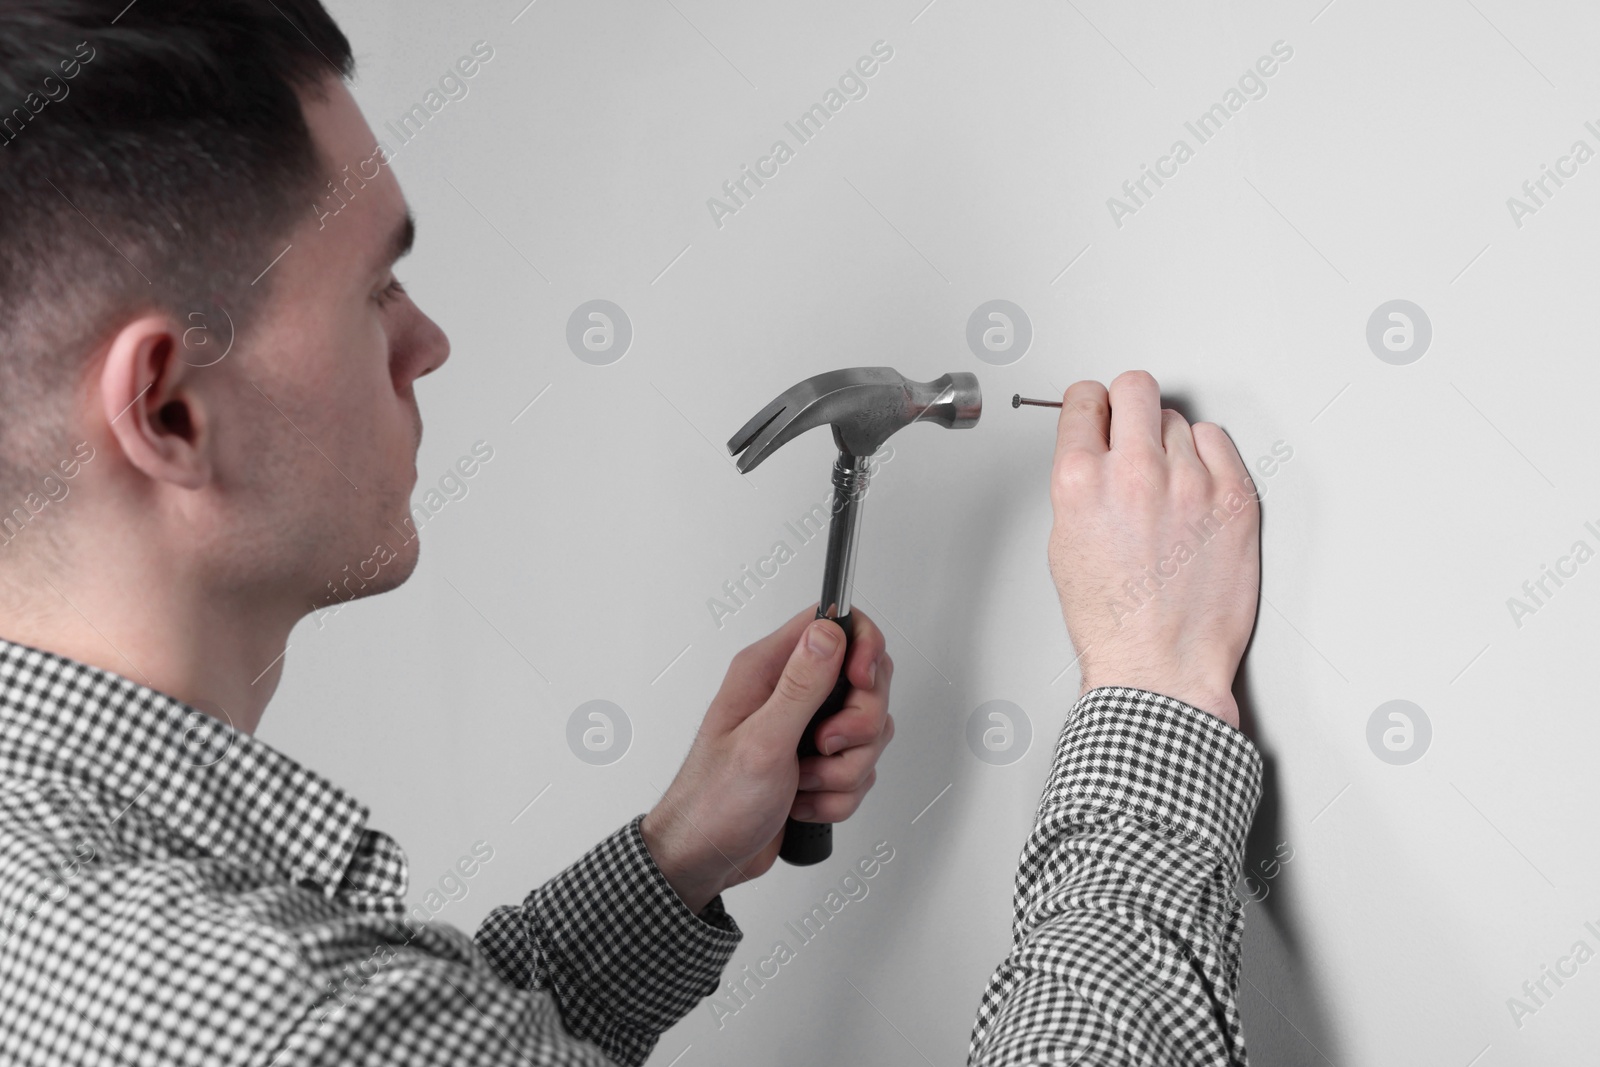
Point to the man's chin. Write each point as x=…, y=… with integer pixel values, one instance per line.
x=385, y=566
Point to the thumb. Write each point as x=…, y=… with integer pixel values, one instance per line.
x=805, y=683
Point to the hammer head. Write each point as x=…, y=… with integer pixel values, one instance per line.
x=864, y=405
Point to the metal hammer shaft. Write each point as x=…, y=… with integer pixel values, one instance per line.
x=806, y=843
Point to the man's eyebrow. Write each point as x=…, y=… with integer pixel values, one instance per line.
x=401, y=240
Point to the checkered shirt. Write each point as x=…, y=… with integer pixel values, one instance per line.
x=1125, y=937
x=173, y=891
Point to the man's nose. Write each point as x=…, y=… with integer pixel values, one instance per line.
x=437, y=346
x=430, y=347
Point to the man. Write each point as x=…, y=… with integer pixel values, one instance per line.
x=173, y=890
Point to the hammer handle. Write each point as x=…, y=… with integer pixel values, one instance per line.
x=806, y=843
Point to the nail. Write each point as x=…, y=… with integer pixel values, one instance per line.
x=810, y=781
x=803, y=813
x=822, y=639
x=831, y=745
x=872, y=673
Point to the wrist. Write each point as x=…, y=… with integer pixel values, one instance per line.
x=678, y=865
x=1209, y=697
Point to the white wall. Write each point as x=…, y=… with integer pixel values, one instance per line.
x=1420, y=897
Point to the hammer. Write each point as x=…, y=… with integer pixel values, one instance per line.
x=865, y=406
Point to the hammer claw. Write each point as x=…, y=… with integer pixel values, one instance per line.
x=750, y=430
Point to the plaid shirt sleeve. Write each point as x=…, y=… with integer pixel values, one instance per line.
x=609, y=940
x=1126, y=928
x=619, y=955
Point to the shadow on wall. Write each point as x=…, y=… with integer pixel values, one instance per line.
x=1289, y=1026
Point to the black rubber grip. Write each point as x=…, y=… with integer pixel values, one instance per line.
x=806, y=843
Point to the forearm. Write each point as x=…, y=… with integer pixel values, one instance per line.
x=614, y=946
x=1127, y=930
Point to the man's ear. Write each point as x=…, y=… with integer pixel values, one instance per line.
x=151, y=405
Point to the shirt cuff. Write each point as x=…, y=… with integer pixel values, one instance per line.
x=622, y=954
x=1161, y=761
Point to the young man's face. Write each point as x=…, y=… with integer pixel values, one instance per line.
x=328, y=475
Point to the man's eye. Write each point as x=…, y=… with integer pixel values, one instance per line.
x=390, y=292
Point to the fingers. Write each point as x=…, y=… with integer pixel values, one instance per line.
x=833, y=786
x=839, y=783
x=830, y=807
x=1085, y=421
x=1176, y=437
x=808, y=676
x=1215, y=449
x=756, y=668
x=1135, y=413
x=861, y=720
x=759, y=665
x=866, y=649
x=848, y=770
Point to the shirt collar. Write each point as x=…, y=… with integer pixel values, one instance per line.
x=226, y=792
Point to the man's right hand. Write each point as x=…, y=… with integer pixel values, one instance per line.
x=721, y=822
x=1155, y=548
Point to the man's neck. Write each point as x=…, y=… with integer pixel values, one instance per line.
x=224, y=659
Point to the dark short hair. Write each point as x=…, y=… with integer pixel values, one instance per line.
x=152, y=157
